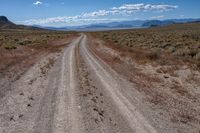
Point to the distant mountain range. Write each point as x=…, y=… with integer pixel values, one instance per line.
x=123, y=24
x=154, y=23
x=99, y=26
x=6, y=24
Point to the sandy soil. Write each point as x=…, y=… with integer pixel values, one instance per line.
x=170, y=93
x=77, y=91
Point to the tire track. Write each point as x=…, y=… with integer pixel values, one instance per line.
x=134, y=119
x=67, y=117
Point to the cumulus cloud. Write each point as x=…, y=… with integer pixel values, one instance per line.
x=96, y=14
x=128, y=9
x=123, y=10
x=37, y=3
x=145, y=7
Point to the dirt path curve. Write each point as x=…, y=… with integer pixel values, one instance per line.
x=71, y=92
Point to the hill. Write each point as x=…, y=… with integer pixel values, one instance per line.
x=5, y=23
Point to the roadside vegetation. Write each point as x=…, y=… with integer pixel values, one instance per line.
x=12, y=39
x=178, y=40
x=21, y=48
x=164, y=65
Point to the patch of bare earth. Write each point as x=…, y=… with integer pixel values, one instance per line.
x=169, y=87
x=98, y=111
x=19, y=107
x=15, y=62
x=31, y=103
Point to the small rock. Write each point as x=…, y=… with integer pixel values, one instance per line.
x=166, y=76
x=21, y=94
x=29, y=105
x=96, y=120
x=31, y=98
x=12, y=118
x=79, y=107
x=21, y=115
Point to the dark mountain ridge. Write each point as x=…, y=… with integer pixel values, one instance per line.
x=5, y=23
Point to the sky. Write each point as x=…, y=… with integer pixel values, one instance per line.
x=60, y=13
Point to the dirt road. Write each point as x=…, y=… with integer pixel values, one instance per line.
x=74, y=92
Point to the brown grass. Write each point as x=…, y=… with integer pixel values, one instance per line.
x=154, y=65
x=179, y=40
x=20, y=49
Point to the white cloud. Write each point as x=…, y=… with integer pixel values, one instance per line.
x=37, y=3
x=130, y=9
x=158, y=17
x=145, y=7
x=96, y=14
x=123, y=10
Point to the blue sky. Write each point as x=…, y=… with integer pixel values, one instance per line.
x=78, y=12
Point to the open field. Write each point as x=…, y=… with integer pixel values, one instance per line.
x=178, y=40
x=163, y=64
x=99, y=66
x=114, y=81
x=14, y=38
x=20, y=49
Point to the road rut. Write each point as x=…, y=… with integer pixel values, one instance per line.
x=79, y=94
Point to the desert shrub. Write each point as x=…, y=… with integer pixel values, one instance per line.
x=165, y=45
x=195, y=37
x=105, y=35
x=193, y=52
x=182, y=52
x=180, y=40
x=189, y=53
x=116, y=41
x=197, y=57
x=153, y=55
x=10, y=46
x=185, y=35
x=172, y=49
x=16, y=40
x=24, y=42
x=131, y=45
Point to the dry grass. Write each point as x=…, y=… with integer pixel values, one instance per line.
x=20, y=49
x=159, y=64
x=179, y=40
